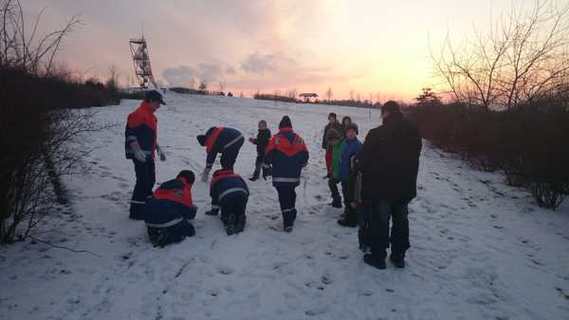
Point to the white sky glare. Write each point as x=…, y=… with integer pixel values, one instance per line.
x=368, y=46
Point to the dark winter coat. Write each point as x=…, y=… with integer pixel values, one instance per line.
x=335, y=130
x=141, y=126
x=170, y=204
x=226, y=187
x=287, y=154
x=389, y=161
x=217, y=139
x=262, y=140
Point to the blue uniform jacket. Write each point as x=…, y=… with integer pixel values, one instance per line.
x=225, y=186
x=218, y=139
x=287, y=154
x=141, y=126
x=170, y=204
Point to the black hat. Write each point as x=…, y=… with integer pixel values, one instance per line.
x=390, y=106
x=332, y=115
x=153, y=95
x=202, y=139
x=285, y=123
x=188, y=174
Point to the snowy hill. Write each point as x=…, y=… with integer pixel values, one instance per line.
x=480, y=249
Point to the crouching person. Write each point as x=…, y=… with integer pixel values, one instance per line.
x=230, y=193
x=169, y=211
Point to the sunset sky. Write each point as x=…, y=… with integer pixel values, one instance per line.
x=370, y=47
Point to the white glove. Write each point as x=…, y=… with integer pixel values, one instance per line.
x=205, y=174
x=138, y=153
x=160, y=153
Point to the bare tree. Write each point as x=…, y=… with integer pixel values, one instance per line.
x=28, y=50
x=523, y=57
x=329, y=94
x=203, y=85
x=221, y=86
x=113, y=80
x=292, y=93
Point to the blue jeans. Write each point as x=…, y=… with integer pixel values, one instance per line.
x=375, y=227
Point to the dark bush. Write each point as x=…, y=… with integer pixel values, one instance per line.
x=35, y=125
x=529, y=143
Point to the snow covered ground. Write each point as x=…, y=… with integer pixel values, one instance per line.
x=480, y=249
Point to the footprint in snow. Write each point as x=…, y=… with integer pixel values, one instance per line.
x=225, y=270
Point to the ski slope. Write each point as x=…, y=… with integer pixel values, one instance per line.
x=480, y=249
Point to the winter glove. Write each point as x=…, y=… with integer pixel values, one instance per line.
x=212, y=212
x=205, y=174
x=253, y=140
x=138, y=153
x=160, y=153
x=267, y=171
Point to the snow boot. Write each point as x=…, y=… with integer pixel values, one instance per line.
x=374, y=261
x=347, y=222
x=288, y=220
x=240, y=224
x=212, y=212
x=349, y=219
x=336, y=203
x=254, y=178
x=398, y=260
x=229, y=224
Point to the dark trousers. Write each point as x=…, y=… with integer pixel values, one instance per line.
x=376, y=217
x=229, y=155
x=258, y=165
x=145, y=179
x=233, y=212
x=333, y=185
x=287, y=201
x=347, y=193
x=161, y=237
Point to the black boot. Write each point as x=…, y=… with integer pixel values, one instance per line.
x=349, y=219
x=288, y=220
x=229, y=224
x=374, y=261
x=254, y=177
x=398, y=260
x=240, y=225
x=336, y=203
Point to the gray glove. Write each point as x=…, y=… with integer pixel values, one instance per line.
x=160, y=153
x=205, y=174
x=139, y=155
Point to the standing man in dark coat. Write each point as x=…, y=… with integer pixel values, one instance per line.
x=389, y=163
x=141, y=135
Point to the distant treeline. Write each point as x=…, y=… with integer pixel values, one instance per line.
x=293, y=99
x=184, y=90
